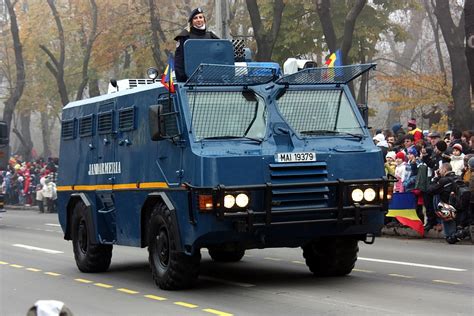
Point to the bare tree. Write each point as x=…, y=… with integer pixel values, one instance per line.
x=265, y=39
x=323, y=7
x=19, y=85
x=157, y=34
x=454, y=37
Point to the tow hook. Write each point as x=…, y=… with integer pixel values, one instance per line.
x=369, y=239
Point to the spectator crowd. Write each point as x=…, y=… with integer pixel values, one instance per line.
x=438, y=170
x=29, y=183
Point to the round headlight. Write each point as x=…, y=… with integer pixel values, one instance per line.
x=357, y=195
x=369, y=194
x=242, y=200
x=229, y=201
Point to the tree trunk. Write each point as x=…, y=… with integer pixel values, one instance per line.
x=93, y=87
x=265, y=39
x=57, y=66
x=88, y=51
x=19, y=85
x=156, y=34
x=323, y=8
x=435, y=28
x=469, y=30
x=46, y=133
x=26, y=142
x=454, y=37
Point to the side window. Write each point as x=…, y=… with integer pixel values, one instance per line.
x=86, y=126
x=126, y=119
x=68, y=129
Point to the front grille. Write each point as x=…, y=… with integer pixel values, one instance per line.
x=301, y=197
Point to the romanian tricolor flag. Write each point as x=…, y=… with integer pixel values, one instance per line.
x=167, y=78
x=335, y=59
x=403, y=208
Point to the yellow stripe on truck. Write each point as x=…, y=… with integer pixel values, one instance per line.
x=119, y=186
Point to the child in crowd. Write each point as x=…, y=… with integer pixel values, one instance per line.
x=399, y=171
x=457, y=159
x=390, y=165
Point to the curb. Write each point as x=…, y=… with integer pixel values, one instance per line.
x=21, y=208
x=407, y=232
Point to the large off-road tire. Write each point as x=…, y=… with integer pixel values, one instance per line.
x=224, y=255
x=331, y=256
x=171, y=270
x=89, y=257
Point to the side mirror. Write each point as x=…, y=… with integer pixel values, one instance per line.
x=163, y=121
x=156, y=122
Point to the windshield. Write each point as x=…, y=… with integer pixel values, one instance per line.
x=227, y=114
x=319, y=111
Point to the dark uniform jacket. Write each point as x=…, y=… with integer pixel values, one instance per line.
x=179, y=54
x=442, y=186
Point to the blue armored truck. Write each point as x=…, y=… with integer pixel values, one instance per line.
x=238, y=157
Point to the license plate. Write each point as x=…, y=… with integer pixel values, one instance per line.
x=295, y=157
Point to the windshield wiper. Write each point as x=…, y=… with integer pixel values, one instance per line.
x=324, y=132
x=258, y=140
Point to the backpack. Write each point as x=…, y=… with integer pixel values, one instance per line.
x=460, y=194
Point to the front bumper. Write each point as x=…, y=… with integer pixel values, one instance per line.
x=337, y=209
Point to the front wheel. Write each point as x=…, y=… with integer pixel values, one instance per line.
x=172, y=270
x=89, y=257
x=331, y=256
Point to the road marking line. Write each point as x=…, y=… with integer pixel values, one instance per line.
x=216, y=312
x=413, y=264
x=156, y=298
x=249, y=256
x=51, y=251
x=16, y=266
x=50, y=230
x=401, y=276
x=273, y=259
x=184, y=304
x=362, y=270
x=83, y=280
x=447, y=282
x=3, y=262
x=33, y=269
x=105, y=286
x=127, y=291
x=298, y=262
x=54, y=225
x=241, y=284
x=52, y=273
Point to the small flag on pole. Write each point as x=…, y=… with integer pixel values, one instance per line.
x=335, y=59
x=167, y=78
x=403, y=208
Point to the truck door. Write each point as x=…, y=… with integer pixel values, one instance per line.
x=106, y=170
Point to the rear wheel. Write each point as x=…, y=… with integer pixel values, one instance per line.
x=331, y=256
x=171, y=270
x=224, y=255
x=89, y=257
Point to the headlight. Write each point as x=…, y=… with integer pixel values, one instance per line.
x=229, y=201
x=369, y=194
x=242, y=200
x=357, y=195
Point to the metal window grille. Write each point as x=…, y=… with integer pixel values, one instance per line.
x=170, y=118
x=220, y=114
x=86, y=126
x=127, y=119
x=68, y=129
x=105, y=122
x=310, y=110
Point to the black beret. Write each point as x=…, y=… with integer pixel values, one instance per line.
x=195, y=12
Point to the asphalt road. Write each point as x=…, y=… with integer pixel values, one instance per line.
x=392, y=277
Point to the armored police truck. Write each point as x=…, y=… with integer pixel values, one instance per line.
x=238, y=157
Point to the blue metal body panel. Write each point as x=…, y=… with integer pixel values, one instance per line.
x=182, y=168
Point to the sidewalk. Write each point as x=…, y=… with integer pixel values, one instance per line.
x=21, y=208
